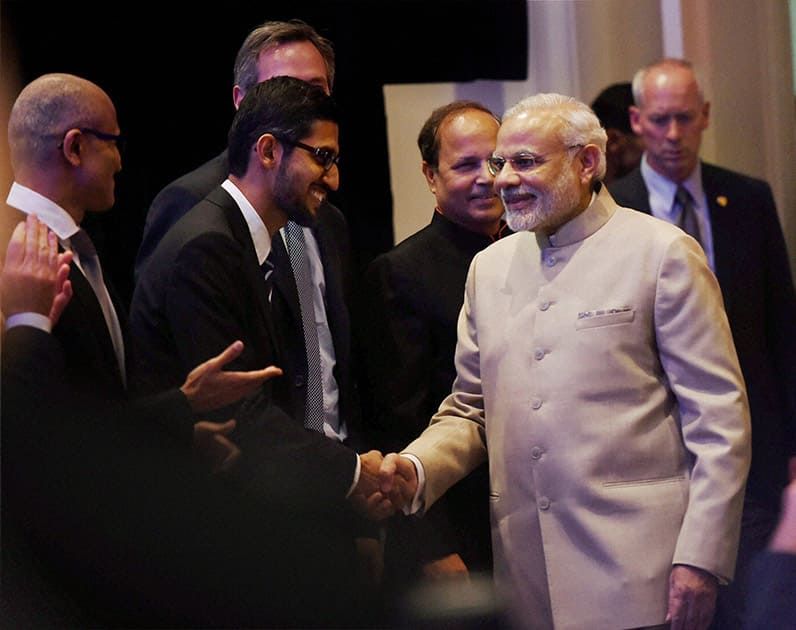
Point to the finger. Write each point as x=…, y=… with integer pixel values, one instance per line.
x=16, y=246
x=378, y=506
x=257, y=376
x=676, y=616
x=61, y=277
x=231, y=352
x=65, y=258
x=52, y=250
x=43, y=243
x=225, y=428
x=31, y=238
x=387, y=472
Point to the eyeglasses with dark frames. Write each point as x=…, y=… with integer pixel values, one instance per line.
x=118, y=140
x=522, y=162
x=326, y=158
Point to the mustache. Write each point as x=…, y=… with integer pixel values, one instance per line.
x=509, y=195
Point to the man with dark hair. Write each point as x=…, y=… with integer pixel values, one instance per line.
x=415, y=292
x=213, y=275
x=624, y=148
x=274, y=48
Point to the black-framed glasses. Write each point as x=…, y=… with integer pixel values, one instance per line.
x=326, y=158
x=522, y=162
x=118, y=140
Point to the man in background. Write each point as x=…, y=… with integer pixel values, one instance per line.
x=213, y=275
x=624, y=148
x=415, y=293
x=735, y=220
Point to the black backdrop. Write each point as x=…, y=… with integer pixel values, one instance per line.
x=168, y=68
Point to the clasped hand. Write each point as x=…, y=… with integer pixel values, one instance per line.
x=385, y=485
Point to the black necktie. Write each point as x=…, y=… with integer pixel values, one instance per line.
x=90, y=264
x=267, y=267
x=687, y=219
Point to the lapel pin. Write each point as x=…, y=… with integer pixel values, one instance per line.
x=722, y=201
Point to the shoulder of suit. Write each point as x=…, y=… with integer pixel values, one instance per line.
x=626, y=184
x=724, y=176
x=201, y=179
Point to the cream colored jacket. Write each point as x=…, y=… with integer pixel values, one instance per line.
x=600, y=377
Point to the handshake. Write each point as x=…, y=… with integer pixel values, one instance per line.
x=385, y=485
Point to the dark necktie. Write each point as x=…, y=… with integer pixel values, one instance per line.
x=90, y=264
x=687, y=219
x=299, y=262
x=267, y=268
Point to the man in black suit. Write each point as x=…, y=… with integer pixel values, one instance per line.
x=211, y=277
x=295, y=49
x=64, y=139
x=108, y=525
x=738, y=227
x=272, y=49
x=415, y=293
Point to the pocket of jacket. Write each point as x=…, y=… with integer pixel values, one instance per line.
x=607, y=317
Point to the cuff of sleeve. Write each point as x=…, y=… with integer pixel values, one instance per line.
x=418, y=501
x=356, y=478
x=35, y=320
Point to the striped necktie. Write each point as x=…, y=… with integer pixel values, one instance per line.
x=296, y=248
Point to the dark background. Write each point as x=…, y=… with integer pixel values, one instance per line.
x=168, y=69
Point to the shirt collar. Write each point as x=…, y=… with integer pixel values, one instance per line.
x=50, y=213
x=257, y=229
x=662, y=190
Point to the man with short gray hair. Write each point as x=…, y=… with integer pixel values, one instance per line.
x=596, y=372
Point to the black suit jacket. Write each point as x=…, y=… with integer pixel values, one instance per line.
x=92, y=369
x=173, y=201
x=332, y=235
x=752, y=268
x=414, y=295
x=84, y=334
x=107, y=522
x=204, y=289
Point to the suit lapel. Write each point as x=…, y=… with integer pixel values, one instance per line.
x=85, y=301
x=721, y=227
x=284, y=282
x=640, y=192
x=252, y=274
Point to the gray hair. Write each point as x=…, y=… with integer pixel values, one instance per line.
x=271, y=34
x=579, y=124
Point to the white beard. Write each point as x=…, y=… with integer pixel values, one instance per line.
x=543, y=210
